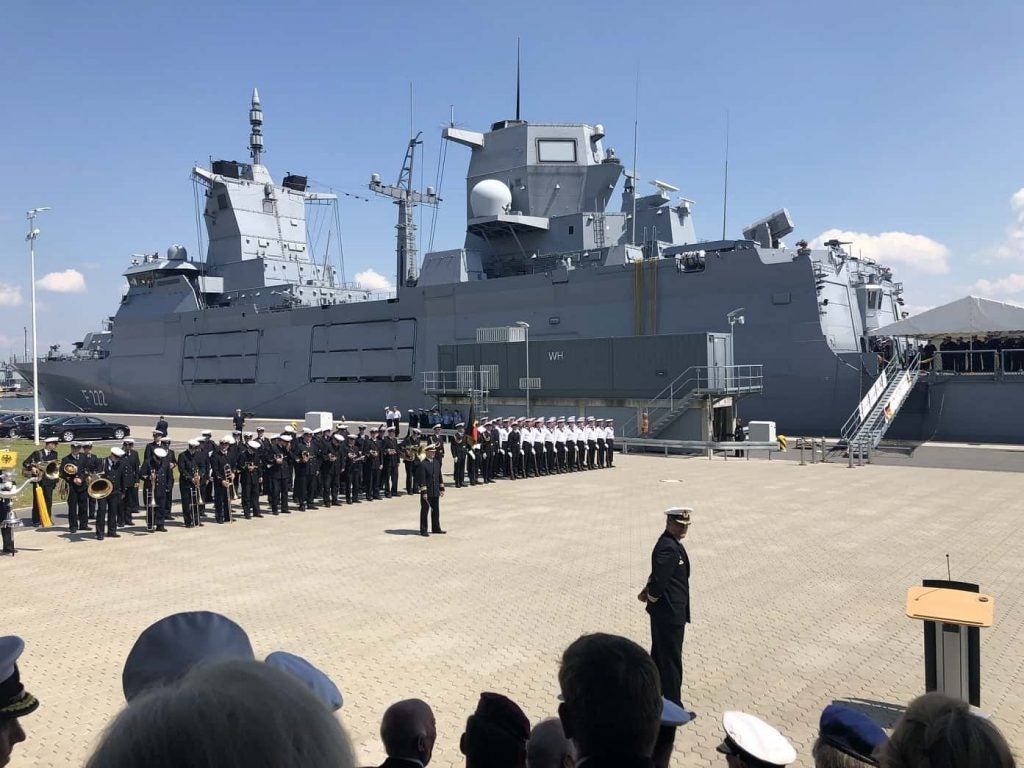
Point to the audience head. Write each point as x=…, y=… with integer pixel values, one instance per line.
x=937, y=731
x=309, y=675
x=15, y=701
x=846, y=739
x=408, y=730
x=751, y=743
x=496, y=734
x=611, y=696
x=169, y=648
x=235, y=714
x=548, y=747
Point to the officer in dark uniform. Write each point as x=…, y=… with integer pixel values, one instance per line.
x=251, y=465
x=431, y=487
x=515, y=451
x=109, y=509
x=72, y=470
x=305, y=470
x=93, y=465
x=353, y=457
x=161, y=477
x=132, y=476
x=410, y=445
x=330, y=472
x=279, y=471
x=459, y=449
x=667, y=599
x=42, y=456
x=390, y=464
x=190, y=482
x=220, y=468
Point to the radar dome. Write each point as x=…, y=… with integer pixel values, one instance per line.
x=177, y=253
x=490, y=198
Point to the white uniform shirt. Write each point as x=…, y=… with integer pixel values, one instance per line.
x=546, y=436
x=609, y=433
x=559, y=434
x=502, y=435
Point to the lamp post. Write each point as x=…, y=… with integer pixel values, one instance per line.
x=526, y=331
x=33, y=233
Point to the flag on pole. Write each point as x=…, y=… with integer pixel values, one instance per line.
x=44, y=513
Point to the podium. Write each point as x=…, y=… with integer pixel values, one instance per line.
x=953, y=613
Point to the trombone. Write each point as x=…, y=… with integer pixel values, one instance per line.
x=151, y=503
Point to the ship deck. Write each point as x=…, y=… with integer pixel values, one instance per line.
x=798, y=595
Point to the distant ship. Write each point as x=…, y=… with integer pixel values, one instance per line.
x=625, y=310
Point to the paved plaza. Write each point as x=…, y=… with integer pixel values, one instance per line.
x=799, y=578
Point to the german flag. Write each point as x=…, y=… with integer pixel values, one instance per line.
x=472, y=435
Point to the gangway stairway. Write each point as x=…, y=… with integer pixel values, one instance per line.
x=686, y=390
x=861, y=433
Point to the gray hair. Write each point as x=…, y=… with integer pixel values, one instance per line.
x=548, y=746
x=237, y=714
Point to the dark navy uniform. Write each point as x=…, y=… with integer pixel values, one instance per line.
x=42, y=456
x=668, y=604
x=431, y=486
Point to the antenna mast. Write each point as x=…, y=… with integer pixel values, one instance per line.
x=725, y=190
x=406, y=198
x=517, y=78
x=256, y=125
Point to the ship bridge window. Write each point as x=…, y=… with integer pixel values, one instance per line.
x=874, y=299
x=222, y=201
x=556, y=150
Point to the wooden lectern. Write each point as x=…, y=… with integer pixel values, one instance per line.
x=952, y=612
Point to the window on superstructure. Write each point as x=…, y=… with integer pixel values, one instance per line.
x=556, y=150
x=222, y=201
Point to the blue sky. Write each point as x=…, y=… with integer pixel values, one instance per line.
x=898, y=123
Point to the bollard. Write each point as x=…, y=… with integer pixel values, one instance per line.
x=822, y=449
x=869, y=448
x=849, y=454
x=860, y=454
x=814, y=452
x=802, y=462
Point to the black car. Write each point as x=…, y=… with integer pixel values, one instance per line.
x=68, y=428
x=9, y=423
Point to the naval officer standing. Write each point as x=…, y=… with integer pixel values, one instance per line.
x=667, y=599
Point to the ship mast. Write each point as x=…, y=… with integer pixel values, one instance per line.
x=256, y=124
x=406, y=198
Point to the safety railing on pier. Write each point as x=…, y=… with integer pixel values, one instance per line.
x=684, y=390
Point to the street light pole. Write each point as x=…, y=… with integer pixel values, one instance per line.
x=526, y=331
x=33, y=233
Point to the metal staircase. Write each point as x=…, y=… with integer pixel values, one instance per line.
x=688, y=388
x=860, y=433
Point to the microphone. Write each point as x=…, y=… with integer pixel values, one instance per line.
x=949, y=576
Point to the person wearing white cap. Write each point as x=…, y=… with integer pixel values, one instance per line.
x=108, y=510
x=159, y=479
x=579, y=435
x=570, y=443
x=548, y=436
x=599, y=439
x=223, y=469
x=666, y=596
x=190, y=480
x=751, y=743
x=590, y=435
x=609, y=440
x=72, y=469
x=250, y=466
x=279, y=474
x=15, y=701
x=132, y=478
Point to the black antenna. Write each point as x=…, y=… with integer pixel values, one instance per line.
x=725, y=189
x=517, y=78
x=949, y=574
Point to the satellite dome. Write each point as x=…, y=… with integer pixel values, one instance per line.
x=489, y=198
x=177, y=253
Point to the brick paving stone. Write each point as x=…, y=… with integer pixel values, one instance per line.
x=798, y=589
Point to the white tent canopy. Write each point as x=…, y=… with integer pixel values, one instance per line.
x=969, y=316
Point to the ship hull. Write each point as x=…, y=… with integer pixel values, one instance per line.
x=353, y=359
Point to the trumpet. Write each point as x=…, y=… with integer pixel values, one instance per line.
x=304, y=457
x=98, y=487
x=279, y=459
x=48, y=469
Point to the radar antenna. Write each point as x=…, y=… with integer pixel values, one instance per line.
x=406, y=198
x=256, y=124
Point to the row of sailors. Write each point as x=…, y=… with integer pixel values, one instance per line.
x=527, y=447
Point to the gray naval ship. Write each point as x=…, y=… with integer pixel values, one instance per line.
x=621, y=311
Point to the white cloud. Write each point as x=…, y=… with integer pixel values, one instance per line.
x=10, y=295
x=1011, y=285
x=893, y=248
x=372, y=280
x=1013, y=246
x=68, y=281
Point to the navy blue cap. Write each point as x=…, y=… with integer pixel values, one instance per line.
x=319, y=683
x=851, y=732
x=674, y=715
x=168, y=649
x=15, y=701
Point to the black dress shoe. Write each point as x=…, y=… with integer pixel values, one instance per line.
x=424, y=533
x=439, y=531
x=114, y=535
x=161, y=529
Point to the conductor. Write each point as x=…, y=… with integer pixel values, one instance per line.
x=431, y=485
x=667, y=599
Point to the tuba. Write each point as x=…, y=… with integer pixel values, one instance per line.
x=48, y=469
x=98, y=487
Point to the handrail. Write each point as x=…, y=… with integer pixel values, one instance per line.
x=457, y=382
x=870, y=433
x=853, y=424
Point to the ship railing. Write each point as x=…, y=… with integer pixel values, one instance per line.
x=958, y=362
x=853, y=424
x=460, y=383
x=693, y=383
